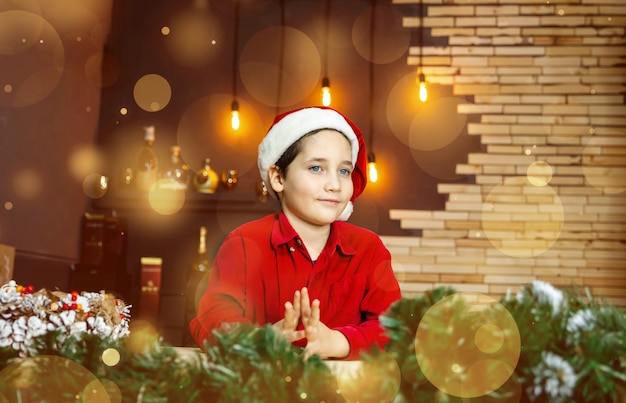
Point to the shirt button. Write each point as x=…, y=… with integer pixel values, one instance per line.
x=298, y=241
x=292, y=249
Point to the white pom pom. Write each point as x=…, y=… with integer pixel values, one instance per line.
x=347, y=212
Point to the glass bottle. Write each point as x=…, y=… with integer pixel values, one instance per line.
x=147, y=164
x=200, y=263
x=197, y=278
x=206, y=180
x=176, y=175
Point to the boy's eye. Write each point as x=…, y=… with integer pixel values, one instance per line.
x=344, y=171
x=315, y=168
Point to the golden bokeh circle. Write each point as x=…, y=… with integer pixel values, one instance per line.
x=143, y=336
x=102, y=69
x=437, y=124
x=164, y=200
x=520, y=219
x=27, y=184
x=467, y=345
x=114, y=392
x=37, y=374
x=539, y=173
x=377, y=380
x=489, y=338
x=423, y=126
x=84, y=160
x=111, y=357
x=603, y=171
x=390, y=41
x=280, y=66
x=152, y=92
x=73, y=20
x=28, y=41
x=190, y=37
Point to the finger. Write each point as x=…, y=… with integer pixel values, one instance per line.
x=297, y=303
x=297, y=335
x=308, y=352
x=305, y=307
x=312, y=330
x=290, y=321
x=311, y=333
x=315, y=311
x=279, y=325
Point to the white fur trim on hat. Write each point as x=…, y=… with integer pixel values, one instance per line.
x=295, y=125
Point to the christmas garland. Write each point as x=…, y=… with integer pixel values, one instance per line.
x=26, y=314
x=557, y=347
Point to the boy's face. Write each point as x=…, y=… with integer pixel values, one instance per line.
x=318, y=185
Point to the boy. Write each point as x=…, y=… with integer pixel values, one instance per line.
x=320, y=281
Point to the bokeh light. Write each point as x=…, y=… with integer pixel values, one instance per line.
x=31, y=42
x=423, y=126
x=143, y=336
x=70, y=18
x=339, y=29
x=27, y=184
x=164, y=200
x=374, y=380
x=391, y=40
x=84, y=161
x=489, y=338
x=152, y=92
x=467, y=345
x=36, y=374
x=95, y=185
x=110, y=357
x=436, y=124
x=113, y=391
x=442, y=163
x=520, y=219
x=33, y=6
x=102, y=69
x=191, y=37
x=539, y=173
x=274, y=84
x=602, y=170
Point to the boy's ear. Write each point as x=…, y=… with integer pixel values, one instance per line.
x=276, y=179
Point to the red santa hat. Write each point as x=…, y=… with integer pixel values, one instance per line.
x=290, y=126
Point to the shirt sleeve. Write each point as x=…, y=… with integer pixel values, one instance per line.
x=224, y=298
x=381, y=291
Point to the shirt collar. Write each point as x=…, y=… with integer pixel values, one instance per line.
x=283, y=232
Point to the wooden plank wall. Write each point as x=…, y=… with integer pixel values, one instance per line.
x=548, y=80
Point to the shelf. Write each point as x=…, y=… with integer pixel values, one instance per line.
x=222, y=200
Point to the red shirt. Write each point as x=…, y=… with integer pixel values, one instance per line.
x=262, y=263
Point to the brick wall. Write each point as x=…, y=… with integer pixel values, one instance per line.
x=547, y=81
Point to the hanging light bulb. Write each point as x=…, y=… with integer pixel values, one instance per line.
x=372, y=172
x=325, y=91
x=422, y=88
x=234, y=115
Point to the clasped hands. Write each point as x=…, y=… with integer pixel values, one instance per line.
x=321, y=340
